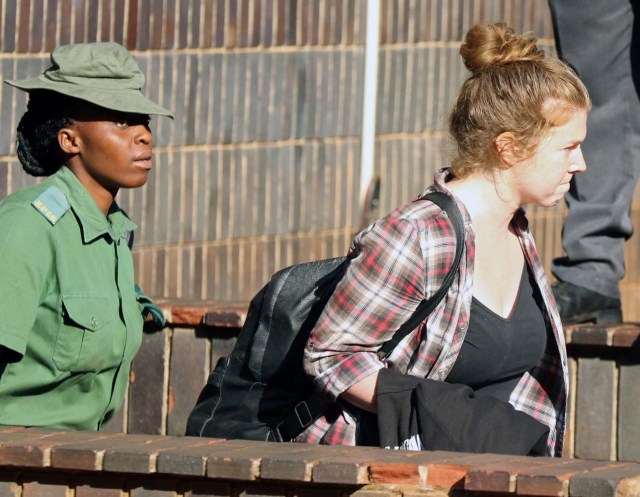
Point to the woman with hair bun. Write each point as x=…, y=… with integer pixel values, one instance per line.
x=516, y=127
x=71, y=312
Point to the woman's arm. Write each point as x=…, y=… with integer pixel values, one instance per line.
x=384, y=284
x=363, y=393
x=26, y=256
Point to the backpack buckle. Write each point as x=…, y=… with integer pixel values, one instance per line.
x=305, y=418
x=289, y=428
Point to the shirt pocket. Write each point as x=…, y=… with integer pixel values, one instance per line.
x=85, y=339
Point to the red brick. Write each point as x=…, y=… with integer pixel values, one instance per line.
x=89, y=491
x=628, y=415
x=299, y=466
x=146, y=389
x=447, y=470
x=231, y=315
x=595, y=403
x=32, y=447
x=98, y=485
x=367, y=464
x=89, y=455
x=591, y=335
x=187, y=315
x=389, y=473
x=343, y=469
x=44, y=485
x=553, y=480
x=501, y=477
x=244, y=463
x=446, y=476
x=626, y=336
x=289, y=467
x=141, y=457
x=294, y=466
x=185, y=384
x=616, y=480
x=192, y=460
x=8, y=484
x=437, y=464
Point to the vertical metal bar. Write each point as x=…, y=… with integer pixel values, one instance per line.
x=370, y=97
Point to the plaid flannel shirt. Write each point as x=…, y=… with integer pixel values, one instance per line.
x=394, y=264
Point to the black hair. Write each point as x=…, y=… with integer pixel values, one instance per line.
x=37, y=135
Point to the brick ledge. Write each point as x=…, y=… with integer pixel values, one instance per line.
x=213, y=313
x=233, y=315
x=366, y=470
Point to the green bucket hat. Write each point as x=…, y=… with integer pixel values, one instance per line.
x=104, y=74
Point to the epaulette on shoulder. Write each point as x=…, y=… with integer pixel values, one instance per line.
x=52, y=204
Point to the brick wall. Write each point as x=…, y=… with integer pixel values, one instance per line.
x=173, y=365
x=261, y=167
x=36, y=462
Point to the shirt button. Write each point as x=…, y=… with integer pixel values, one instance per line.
x=463, y=327
x=94, y=322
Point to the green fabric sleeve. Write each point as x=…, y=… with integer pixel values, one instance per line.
x=26, y=255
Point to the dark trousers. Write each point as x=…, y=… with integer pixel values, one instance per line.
x=600, y=39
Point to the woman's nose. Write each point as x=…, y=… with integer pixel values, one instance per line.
x=143, y=134
x=578, y=165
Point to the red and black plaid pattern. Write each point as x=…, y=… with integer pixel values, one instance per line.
x=394, y=264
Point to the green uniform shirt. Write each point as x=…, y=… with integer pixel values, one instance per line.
x=67, y=306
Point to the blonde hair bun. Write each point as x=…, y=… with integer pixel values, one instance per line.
x=497, y=44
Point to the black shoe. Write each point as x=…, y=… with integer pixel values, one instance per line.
x=579, y=305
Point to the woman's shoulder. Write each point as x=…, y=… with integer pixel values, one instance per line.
x=421, y=220
x=40, y=204
x=421, y=212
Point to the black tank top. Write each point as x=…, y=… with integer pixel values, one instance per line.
x=496, y=352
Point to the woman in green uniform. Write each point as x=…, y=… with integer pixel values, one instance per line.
x=71, y=320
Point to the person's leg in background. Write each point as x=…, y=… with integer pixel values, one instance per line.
x=600, y=40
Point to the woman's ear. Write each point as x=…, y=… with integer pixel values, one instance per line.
x=506, y=148
x=68, y=141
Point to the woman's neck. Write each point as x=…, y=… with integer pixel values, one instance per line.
x=102, y=196
x=487, y=197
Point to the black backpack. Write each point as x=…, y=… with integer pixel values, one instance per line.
x=260, y=391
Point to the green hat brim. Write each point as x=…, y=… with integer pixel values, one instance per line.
x=131, y=101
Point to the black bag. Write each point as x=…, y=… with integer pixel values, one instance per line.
x=449, y=416
x=260, y=391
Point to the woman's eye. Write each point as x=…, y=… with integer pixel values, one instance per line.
x=121, y=124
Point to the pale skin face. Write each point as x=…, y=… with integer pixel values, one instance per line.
x=544, y=178
x=108, y=150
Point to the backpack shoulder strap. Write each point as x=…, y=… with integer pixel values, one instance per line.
x=425, y=307
x=307, y=411
x=303, y=414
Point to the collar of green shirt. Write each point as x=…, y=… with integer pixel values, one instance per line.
x=94, y=223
